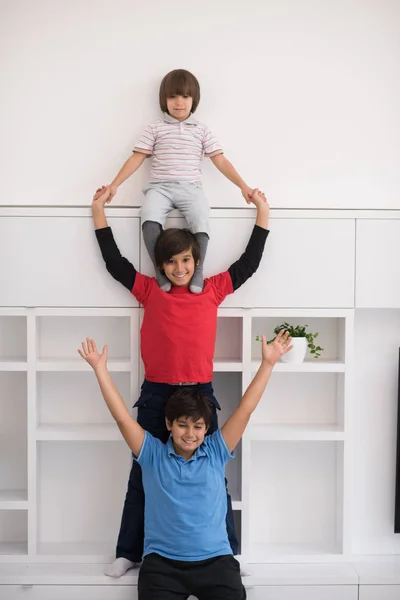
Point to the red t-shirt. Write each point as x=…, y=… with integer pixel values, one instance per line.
x=178, y=332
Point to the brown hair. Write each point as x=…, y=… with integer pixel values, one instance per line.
x=174, y=241
x=190, y=403
x=179, y=83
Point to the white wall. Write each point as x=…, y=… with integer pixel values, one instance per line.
x=375, y=422
x=303, y=95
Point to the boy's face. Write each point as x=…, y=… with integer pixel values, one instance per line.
x=179, y=107
x=187, y=435
x=180, y=268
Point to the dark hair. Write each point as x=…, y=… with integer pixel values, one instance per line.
x=179, y=83
x=174, y=241
x=188, y=402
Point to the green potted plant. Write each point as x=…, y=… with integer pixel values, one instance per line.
x=301, y=340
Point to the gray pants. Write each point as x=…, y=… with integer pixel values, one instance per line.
x=186, y=196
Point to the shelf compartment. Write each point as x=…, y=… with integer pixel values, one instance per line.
x=75, y=401
x=228, y=345
x=296, y=499
x=13, y=499
x=13, y=532
x=228, y=391
x=331, y=337
x=79, y=365
x=13, y=432
x=74, y=433
x=303, y=399
x=295, y=433
x=310, y=365
x=12, y=339
x=76, y=512
x=59, y=337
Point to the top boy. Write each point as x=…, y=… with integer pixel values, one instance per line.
x=177, y=143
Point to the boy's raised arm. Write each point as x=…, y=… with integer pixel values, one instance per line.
x=130, y=429
x=233, y=429
x=248, y=263
x=117, y=265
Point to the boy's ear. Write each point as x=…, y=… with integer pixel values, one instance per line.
x=168, y=424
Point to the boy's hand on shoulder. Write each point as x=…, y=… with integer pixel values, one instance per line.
x=90, y=353
x=271, y=353
x=247, y=193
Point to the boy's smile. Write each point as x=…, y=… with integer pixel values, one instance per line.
x=180, y=268
x=187, y=435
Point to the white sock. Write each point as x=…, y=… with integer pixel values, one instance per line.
x=119, y=567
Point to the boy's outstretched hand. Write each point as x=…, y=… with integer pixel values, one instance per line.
x=111, y=189
x=271, y=353
x=90, y=353
x=102, y=195
x=258, y=198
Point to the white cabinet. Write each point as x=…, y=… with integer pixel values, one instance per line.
x=68, y=592
x=55, y=261
x=128, y=592
x=379, y=592
x=306, y=262
x=303, y=592
x=288, y=482
x=377, y=264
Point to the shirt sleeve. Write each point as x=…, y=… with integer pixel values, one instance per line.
x=142, y=287
x=148, y=450
x=222, y=285
x=210, y=145
x=117, y=265
x=218, y=448
x=248, y=263
x=146, y=142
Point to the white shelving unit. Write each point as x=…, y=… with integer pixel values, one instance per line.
x=64, y=466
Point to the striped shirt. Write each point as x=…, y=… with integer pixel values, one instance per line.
x=177, y=148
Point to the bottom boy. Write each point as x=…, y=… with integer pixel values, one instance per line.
x=186, y=548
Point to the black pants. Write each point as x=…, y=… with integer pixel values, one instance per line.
x=151, y=405
x=213, y=579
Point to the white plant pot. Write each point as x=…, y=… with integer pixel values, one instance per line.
x=297, y=353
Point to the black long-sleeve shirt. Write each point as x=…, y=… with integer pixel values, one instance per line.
x=123, y=271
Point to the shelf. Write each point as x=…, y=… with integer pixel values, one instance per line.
x=13, y=499
x=13, y=548
x=263, y=432
x=91, y=432
x=79, y=365
x=315, y=365
x=12, y=338
x=227, y=366
x=99, y=551
x=13, y=365
x=295, y=552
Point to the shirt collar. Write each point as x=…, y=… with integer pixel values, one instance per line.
x=200, y=451
x=189, y=121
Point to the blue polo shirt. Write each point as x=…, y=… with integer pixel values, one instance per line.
x=185, y=501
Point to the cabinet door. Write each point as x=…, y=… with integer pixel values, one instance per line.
x=68, y=592
x=303, y=592
x=306, y=262
x=377, y=264
x=56, y=261
x=379, y=592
